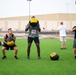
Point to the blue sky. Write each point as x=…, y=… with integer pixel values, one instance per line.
x=11, y=8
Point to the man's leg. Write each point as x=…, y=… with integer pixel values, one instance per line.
x=16, y=52
x=64, y=45
x=36, y=40
x=3, y=52
x=30, y=40
x=38, y=49
x=64, y=42
x=75, y=51
x=74, y=47
x=61, y=40
x=28, y=50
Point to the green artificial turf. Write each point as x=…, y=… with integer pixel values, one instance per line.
x=66, y=65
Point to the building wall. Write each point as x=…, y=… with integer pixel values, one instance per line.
x=48, y=22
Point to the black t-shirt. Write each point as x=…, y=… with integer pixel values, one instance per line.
x=74, y=32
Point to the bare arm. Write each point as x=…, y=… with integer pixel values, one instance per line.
x=4, y=38
x=39, y=29
x=14, y=37
x=73, y=29
x=27, y=27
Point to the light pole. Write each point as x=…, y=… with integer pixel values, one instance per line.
x=29, y=8
x=67, y=6
x=67, y=14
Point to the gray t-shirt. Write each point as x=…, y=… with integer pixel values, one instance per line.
x=33, y=31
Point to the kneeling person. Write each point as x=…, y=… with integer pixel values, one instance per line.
x=9, y=43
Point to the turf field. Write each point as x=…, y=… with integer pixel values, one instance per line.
x=66, y=65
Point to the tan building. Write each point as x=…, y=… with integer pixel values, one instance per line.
x=48, y=22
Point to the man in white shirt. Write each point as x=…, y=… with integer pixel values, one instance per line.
x=62, y=34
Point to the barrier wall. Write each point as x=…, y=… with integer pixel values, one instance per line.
x=47, y=22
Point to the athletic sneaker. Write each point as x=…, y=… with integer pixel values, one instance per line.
x=28, y=58
x=39, y=58
x=61, y=48
x=15, y=57
x=4, y=57
x=65, y=48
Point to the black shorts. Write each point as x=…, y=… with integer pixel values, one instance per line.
x=30, y=39
x=9, y=47
x=74, y=45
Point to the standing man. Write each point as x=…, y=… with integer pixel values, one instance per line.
x=6, y=45
x=33, y=27
x=74, y=45
x=62, y=34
